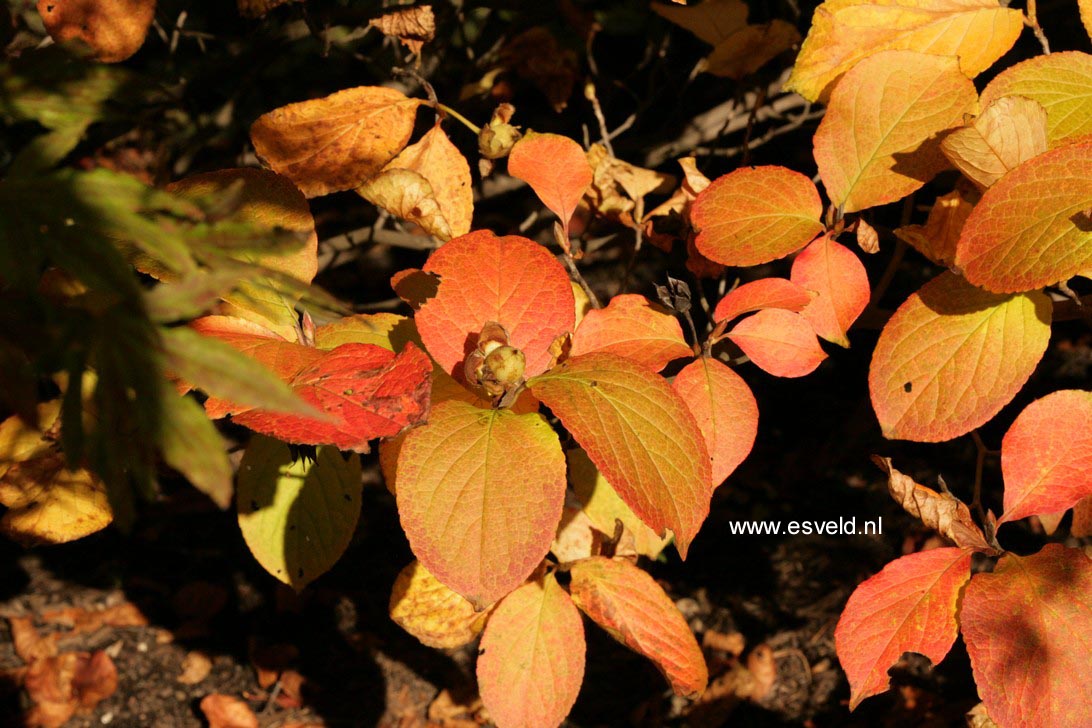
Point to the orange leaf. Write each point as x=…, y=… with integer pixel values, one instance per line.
x=952, y=356
x=431, y=612
x=836, y=274
x=366, y=391
x=556, y=169
x=725, y=410
x=336, y=142
x=756, y=214
x=64, y=684
x=531, y=657
x=625, y=601
x=1032, y=228
x=880, y=138
x=1026, y=626
x=1059, y=82
x=845, y=32
x=635, y=328
x=640, y=435
x=428, y=183
x=760, y=294
x=937, y=239
x=510, y=280
x=480, y=494
x=779, y=342
x=1009, y=131
x=112, y=29
x=910, y=606
x=1046, y=456
x=227, y=711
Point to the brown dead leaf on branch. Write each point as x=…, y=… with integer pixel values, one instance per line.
x=618, y=188
x=112, y=29
x=413, y=26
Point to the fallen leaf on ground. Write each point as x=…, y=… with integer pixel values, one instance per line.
x=226, y=711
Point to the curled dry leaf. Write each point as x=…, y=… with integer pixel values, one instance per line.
x=942, y=512
x=937, y=238
x=868, y=240
x=68, y=683
x=112, y=29
x=431, y=612
x=1009, y=131
x=413, y=26
x=337, y=142
x=693, y=183
x=227, y=711
x=618, y=188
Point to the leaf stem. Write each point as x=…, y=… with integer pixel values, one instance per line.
x=448, y=111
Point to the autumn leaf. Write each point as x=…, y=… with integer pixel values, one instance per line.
x=633, y=327
x=431, y=612
x=952, y=356
x=64, y=684
x=227, y=711
x=760, y=294
x=531, y=657
x=1046, y=456
x=413, y=26
x=48, y=503
x=1031, y=229
x=428, y=183
x=510, y=280
x=942, y=512
x=750, y=48
x=725, y=410
x=1059, y=82
x=297, y=515
x=271, y=201
x=937, y=238
x=1009, y=131
x=20, y=441
x=556, y=169
x=390, y=330
x=880, y=138
x=692, y=184
x=640, y=435
x=480, y=493
x=840, y=281
x=910, y=606
x=336, y=142
x=779, y=342
x=845, y=32
x=1085, y=7
x=712, y=20
x=632, y=608
x=618, y=188
x=1026, y=626
x=756, y=214
x=112, y=29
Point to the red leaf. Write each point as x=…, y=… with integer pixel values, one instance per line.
x=632, y=327
x=760, y=294
x=725, y=410
x=1027, y=628
x=756, y=214
x=510, y=280
x=1046, y=456
x=531, y=658
x=779, y=342
x=631, y=606
x=836, y=274
x=365, y=390
x=910, y=606
x=556, y=168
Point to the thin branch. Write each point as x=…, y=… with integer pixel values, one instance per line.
x=1031, y=19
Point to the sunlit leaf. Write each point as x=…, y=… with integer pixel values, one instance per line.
x=779, y=342
x=725, y=410
x=431, y=612
x=937, y=238
x=336, y=142
x=20, y=441
x=1046, y=456
x=1026, y=626
x=413, y=26
x=760, y=294
x=845, y=32
x=880, y=138
x=48, y=503
x=531, y=657
x=1032, y=228
x=556, y=169
x=480, y=493
x=1059, y=82
x=1085, y=7
x=625, y=601
x=1009, y=131
x=510, y=280
x=633, y=327
x=112, y=29
x=840, y=281
x=952, y=356
x=756, y=214
x=297, y=516
x=910, y=606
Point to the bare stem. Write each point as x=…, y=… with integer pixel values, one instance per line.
x=1032, y=21
x=448, y=111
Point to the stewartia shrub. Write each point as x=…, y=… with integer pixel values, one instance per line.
x=534, y=446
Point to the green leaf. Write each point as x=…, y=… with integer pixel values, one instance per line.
x=191, y=445
x=297, y=516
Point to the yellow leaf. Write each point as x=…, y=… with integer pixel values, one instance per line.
x=20, y=442
x=389, y=330
x=427, y=184
x=336, y=142
x=1060, y=83
x=431, y=612
x=711, y=20
x=750, y=48
x=50, y=504
x=845, y=32
x=880, y=138
x=1011, y=130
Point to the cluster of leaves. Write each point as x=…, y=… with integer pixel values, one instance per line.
x=514, y=534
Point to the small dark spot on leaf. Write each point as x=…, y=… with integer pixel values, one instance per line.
x=908, y=387
x=253, y=505
x=292, y=527
x=594, y=383
x=49, y=8
x=481, y=651
x=347, y=497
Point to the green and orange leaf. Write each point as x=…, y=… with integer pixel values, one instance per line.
x=779, y=342
x=840, y=282
x=1059, y=82
x=633, y=327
